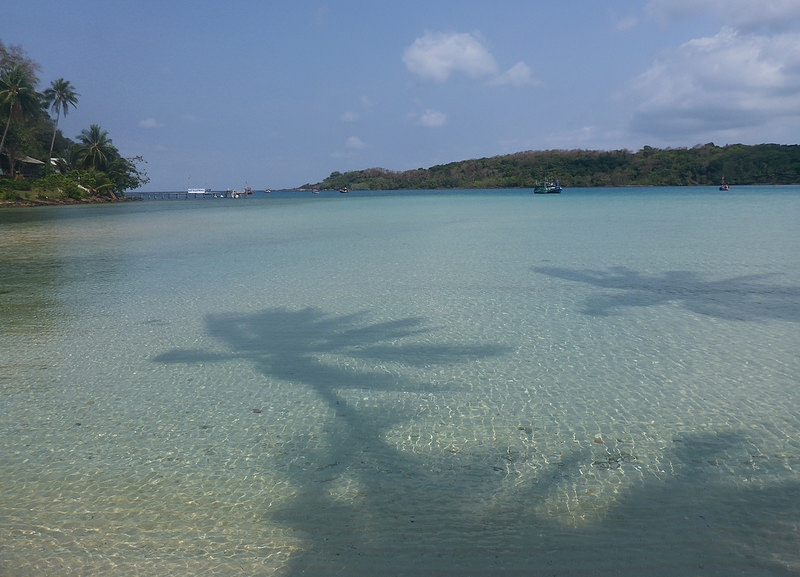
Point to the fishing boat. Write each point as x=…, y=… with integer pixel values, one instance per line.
x=549, y=187
x=553, y=187
x=724, y=185
x=344, y=189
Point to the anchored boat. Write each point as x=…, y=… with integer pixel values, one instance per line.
x=549, y=187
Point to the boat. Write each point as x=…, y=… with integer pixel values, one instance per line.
x=724, y=185
x=549, y=187
x=553, y=187
x=344, y=189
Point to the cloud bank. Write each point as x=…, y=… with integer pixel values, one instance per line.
x=739, y=84
x=745, y=15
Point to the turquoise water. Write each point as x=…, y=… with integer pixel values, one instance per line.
x=460, y=383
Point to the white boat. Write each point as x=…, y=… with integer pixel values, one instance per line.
x=553, y=187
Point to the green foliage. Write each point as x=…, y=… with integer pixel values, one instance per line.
x=18, y=97
x=126, y=174
x=11, y=190
x=702, y=165
x=93, y=163
x=60, y=185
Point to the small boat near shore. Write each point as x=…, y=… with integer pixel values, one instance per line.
x=549, y=187
x=553, y=187
x=724, y=185
x=344, y=189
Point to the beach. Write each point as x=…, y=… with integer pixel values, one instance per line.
x=407, y=383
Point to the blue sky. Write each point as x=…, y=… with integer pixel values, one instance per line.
x=278, y=93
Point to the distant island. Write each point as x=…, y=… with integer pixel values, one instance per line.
x=705, y=164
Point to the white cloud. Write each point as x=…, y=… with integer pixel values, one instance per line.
x=437, y=55
x=354, y=143
x=432, y=118
x=349, y=116
x=517, y=75
x=150, y=123
x=729, y=85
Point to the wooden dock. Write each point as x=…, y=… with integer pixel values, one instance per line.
x=185, y=195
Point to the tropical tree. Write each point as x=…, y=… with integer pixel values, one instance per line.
x=126, y=174
x=17, y=95
x=94, y=149
x=58, y=98
x=12, y=55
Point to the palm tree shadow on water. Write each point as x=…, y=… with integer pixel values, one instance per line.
x=464, y=514
x=746, y=297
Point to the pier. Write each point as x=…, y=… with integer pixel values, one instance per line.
x=193, y=194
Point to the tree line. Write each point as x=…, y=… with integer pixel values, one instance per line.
x=705, y=164
x=36, y=159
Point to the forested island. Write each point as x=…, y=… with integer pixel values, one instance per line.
x=38, y=164
x=701, y=165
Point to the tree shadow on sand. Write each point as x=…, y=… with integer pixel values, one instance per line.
x=746, y=298
x=472, y=513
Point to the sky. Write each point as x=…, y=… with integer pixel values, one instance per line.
x=280, y=93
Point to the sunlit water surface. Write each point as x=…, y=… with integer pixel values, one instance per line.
x=460, y=383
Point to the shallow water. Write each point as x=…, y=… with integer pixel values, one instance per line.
x=458, y=383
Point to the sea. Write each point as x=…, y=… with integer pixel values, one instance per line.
x=455, y=383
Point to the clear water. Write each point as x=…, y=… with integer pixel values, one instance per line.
x=461, y=383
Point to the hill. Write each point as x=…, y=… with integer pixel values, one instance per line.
x=702, y=165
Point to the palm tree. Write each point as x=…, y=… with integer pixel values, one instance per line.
x=58, y=97
x=94, y=149
x=18, y=94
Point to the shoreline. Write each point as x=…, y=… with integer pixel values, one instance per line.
x=30, y=203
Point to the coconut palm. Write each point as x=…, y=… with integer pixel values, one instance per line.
x=94, y=149
x=18, y=94
x=58, y=98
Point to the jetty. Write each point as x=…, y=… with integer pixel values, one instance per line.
x=192, y=193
